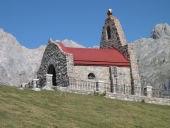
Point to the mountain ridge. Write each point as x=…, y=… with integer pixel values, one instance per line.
x=154, y=57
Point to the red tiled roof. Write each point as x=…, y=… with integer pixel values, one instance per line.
x=97, y=57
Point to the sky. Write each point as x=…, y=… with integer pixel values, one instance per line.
x=33, y=22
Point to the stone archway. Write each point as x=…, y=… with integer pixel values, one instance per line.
x=51, y=70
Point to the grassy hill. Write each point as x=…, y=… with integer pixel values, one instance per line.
x=53, y=109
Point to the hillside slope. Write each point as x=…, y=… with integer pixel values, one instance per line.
x=154, y=57
x=54, y=109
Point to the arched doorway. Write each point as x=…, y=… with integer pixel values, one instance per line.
x=51, y=70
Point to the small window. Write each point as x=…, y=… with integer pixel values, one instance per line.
x=91, y=76
x=108, y=33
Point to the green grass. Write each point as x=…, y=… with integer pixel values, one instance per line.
x=53, y=109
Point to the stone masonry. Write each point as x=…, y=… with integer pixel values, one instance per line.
x=123, y=75
x=120, y=76
x=101, y=73
x=53, y=55
x=134, y=67
x=117, y=39
x=70, y=66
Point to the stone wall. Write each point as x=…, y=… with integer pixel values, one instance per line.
x=115, y=76
x=145, y=99
x=120, y=31
x=70, y=65
x=123, y=75
x=134, y=66
x=125, y=97
x=67, y=89
x=120, y=77
x=101, y=73
x=53, y=55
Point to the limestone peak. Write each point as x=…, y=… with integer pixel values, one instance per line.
x=160, y=30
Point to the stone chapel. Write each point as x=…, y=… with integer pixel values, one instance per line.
x=114, y=62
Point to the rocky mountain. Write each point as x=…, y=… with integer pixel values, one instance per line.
x=154, y=57
x=70, y=43
x=19, y=64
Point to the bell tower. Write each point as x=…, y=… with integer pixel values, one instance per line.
x=113, y=35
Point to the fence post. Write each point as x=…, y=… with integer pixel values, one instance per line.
x=149, y=91
x=49, y=80
x=35, y=83
x=101, y=86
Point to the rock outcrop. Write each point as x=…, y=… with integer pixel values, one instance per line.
x=17, y=63
x=154, y=57
x=160, y=31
